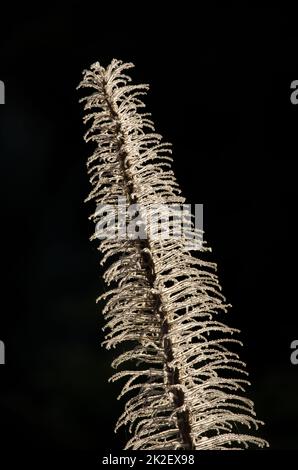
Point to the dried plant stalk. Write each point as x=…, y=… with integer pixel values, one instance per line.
x=185, y=385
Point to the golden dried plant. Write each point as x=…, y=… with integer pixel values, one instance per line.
x=185, y=385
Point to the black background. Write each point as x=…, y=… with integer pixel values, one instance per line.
x=220, y=92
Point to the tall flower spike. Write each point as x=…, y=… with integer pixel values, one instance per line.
x=185, y=385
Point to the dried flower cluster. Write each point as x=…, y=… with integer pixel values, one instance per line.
x=184, y=384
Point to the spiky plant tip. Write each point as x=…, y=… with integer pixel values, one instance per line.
x=185, y=386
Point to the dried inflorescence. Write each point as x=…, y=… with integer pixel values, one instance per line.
x=185, y=385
